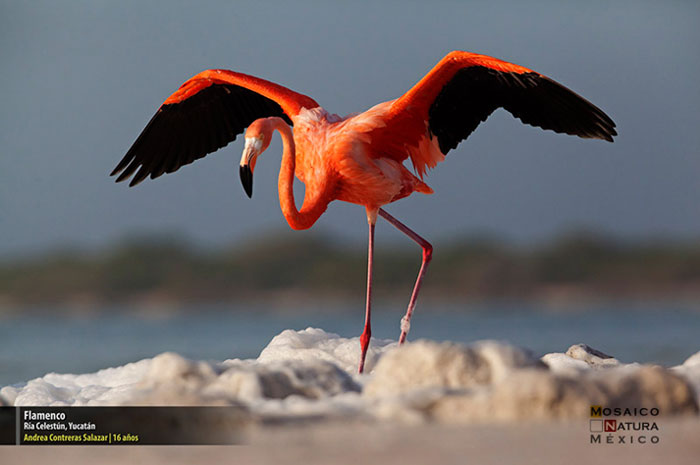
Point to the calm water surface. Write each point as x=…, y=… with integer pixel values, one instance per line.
x=32, y=346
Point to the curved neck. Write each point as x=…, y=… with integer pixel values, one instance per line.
x=314, y=203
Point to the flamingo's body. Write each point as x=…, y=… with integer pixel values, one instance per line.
x=359, y=158
x=340, y=158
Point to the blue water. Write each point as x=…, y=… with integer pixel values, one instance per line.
x=32, y=346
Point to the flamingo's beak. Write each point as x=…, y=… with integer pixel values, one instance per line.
x=248, y=159
x=247, y=180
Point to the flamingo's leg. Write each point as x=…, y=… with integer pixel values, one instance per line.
x=367, y=333
x=427, y=256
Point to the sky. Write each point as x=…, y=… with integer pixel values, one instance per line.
x=80, y=79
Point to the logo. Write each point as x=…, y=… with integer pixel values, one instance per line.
x=610, y=426
x=629, y=425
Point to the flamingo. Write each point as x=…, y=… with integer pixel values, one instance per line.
x=358, y=158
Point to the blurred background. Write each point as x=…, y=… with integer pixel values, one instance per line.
x=540, y=239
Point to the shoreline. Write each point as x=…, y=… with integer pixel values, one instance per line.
x=279, y=303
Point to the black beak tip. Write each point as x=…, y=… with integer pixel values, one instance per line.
x=247, y=180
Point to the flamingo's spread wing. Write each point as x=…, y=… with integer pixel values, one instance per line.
x=463, y=89
x=204, y=114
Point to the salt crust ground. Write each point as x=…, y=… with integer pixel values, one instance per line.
x=310, y=375
x=390, y=444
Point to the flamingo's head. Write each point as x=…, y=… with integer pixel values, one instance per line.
x=257, y=139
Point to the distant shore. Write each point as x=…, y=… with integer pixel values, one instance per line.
x=156, y=271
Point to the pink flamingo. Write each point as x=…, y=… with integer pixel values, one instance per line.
x=359, y=158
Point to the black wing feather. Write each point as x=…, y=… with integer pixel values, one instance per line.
x=475, y=92
x=183, y=132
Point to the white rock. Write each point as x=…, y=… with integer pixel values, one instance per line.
x=591, y=356
x=690, y=370
x=496, y=382
x=425, y=364
x=110, y=386
x=310, y=374
x=563, y=364
x=316, y=344
x=579, y=358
